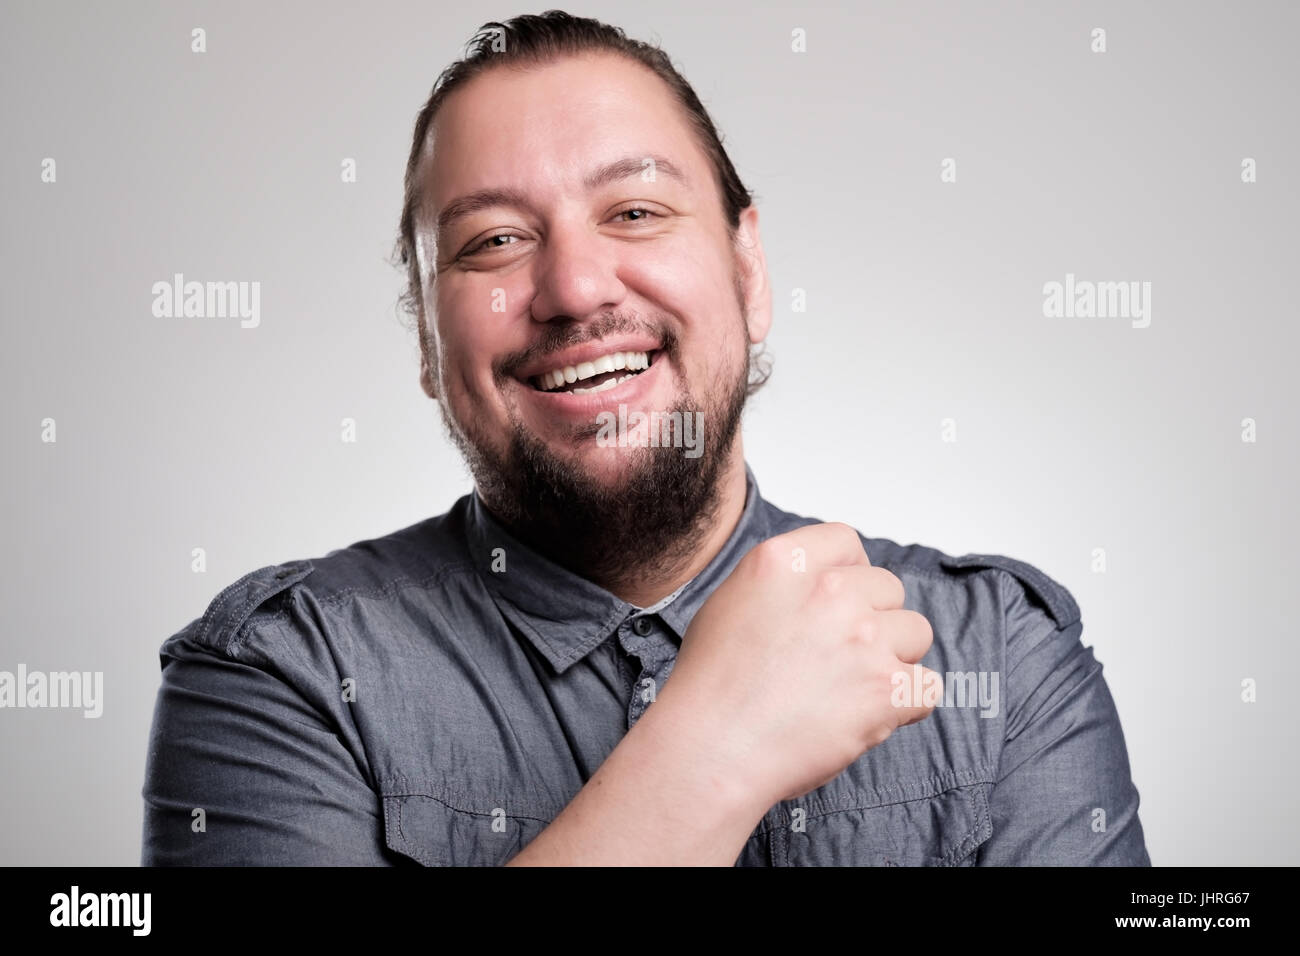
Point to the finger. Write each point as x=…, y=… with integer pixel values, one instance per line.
x=871, y=588
x=915, y=692
x=827, y=544
x=882, y=588
x=908, y=632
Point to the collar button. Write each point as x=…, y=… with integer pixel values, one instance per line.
x=642, y=626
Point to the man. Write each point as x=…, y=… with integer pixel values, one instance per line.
x=491, y=686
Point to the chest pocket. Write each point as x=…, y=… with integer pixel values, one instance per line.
x=444, y=829
x=945, y=827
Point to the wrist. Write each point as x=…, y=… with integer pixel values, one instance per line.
x=717, y=767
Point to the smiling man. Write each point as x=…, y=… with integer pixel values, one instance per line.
x=492, y=685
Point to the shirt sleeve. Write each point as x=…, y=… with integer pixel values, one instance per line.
x=248, y=762
x=1064, y=795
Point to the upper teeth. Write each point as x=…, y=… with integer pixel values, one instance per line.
x=584, y=370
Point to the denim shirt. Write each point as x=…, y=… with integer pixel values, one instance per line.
x=437, y=696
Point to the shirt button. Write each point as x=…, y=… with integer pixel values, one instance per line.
x=642, y=626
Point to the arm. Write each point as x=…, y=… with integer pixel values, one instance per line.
x=1064, y=756
x=275, y=782
x=660, y=798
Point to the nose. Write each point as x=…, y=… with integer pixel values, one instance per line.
x=576, y=275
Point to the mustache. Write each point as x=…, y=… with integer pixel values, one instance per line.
x=558, y=337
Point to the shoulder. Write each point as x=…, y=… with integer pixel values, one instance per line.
x=417, y=555
x=1013, y=587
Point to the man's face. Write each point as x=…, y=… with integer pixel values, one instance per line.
x=605, y=235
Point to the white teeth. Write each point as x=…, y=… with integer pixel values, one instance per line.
x=612, y=362
x=604, y=385
x=595, y=388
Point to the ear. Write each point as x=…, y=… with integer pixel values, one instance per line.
x=752, y=266
x=428, y=362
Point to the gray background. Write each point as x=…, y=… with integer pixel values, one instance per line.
x=924, y=303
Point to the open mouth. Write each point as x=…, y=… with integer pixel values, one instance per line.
x=604, y=372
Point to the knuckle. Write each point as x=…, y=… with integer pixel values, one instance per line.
x=771, y=555
x=830, y=582
x=847, y=533
x=842, y=529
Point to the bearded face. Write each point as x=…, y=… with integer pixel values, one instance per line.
x=563, y=287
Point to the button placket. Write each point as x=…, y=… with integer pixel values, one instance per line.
x=643, y=640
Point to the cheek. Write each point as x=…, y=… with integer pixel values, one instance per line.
x=695, y=285
x=467, y=344
x=672, y=276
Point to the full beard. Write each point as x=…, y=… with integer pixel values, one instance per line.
x=648, y=522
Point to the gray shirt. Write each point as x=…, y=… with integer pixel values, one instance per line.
x=439, y=694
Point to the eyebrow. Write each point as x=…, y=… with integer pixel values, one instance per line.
x=613, y=172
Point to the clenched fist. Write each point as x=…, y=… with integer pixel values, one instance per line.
x=787, y=670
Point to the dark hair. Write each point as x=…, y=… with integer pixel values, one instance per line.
x=534, y=39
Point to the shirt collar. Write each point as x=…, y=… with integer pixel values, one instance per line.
x=564, y=615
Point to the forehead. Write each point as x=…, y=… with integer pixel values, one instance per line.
x=545, y=127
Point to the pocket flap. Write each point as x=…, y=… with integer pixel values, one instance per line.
x=431, y=831
x=944, y=829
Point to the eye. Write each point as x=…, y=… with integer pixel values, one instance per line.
x=483, y=246
x=645, y=216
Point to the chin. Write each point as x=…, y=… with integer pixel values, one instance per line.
x=608, y=467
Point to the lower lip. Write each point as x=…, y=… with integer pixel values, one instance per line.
x=589, y=405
